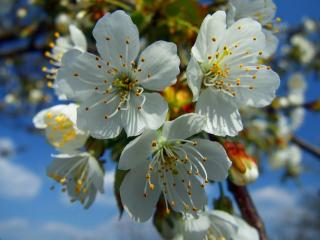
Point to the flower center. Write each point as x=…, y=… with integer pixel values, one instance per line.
x=61, y=129
x=176, y=163
x=118, y=92
x=123, y=82
x=216, y=73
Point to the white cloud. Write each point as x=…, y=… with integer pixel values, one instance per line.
x=274, y=195
x=112, y=229
x=277, y=207
x=273, y=202
x=17, y=181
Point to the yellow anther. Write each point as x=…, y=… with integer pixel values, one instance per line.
x=47, y=54
x=51, y=45
x=56, y=35
x=151, y=186
x=49, y=115
x=63, y=180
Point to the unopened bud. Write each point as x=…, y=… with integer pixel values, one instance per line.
x=244, y=169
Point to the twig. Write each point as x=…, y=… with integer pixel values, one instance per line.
x=315, y=151
x=247, y=208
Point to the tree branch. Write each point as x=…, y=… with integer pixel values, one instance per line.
x=247, y=208
x=315, y=151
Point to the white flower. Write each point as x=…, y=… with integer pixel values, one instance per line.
x=297, y=117
x=309, y=25
x=216, y=225
x=59, y=123
x=166, y=162
x=35, y=96
x=262, y=11
x=80, y=174
x=223, y=73
x=297, y=86
x=76, y=40
x=111, y=88
x=289, y=157
x=307, y=50
x=283, y=129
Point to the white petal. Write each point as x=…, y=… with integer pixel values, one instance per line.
x=139, y=208
x=218, y=163
x=194, y=78
x=117, y=35
x=257, y=87
x=78, y=38
x=95, y=173
x=150, y=114
x=260, y=10
x=196, y=228
x=210, y=35
x=137, y=151
x=222, y=118
x=131, y=118
x=226, y=224
x=39, y=119
x=245, y=40
x=183, y=127
x=159, y=64
x=272, y=43
x=154, y=110
x=93, y=119
x=81, y=73
x=246, y=232
x=68, y=110
x=198, y=198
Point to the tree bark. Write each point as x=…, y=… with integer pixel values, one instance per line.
x=247, y=208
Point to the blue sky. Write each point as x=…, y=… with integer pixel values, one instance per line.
x=30, y=210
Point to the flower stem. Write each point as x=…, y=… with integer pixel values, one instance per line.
x=247, y=208
x=315, y=151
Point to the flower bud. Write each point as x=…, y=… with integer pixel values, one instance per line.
x=244, y=168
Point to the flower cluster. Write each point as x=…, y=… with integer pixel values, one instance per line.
x=171, y=156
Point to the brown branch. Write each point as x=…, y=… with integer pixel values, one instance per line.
x=315, y=151
x=247, y=208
